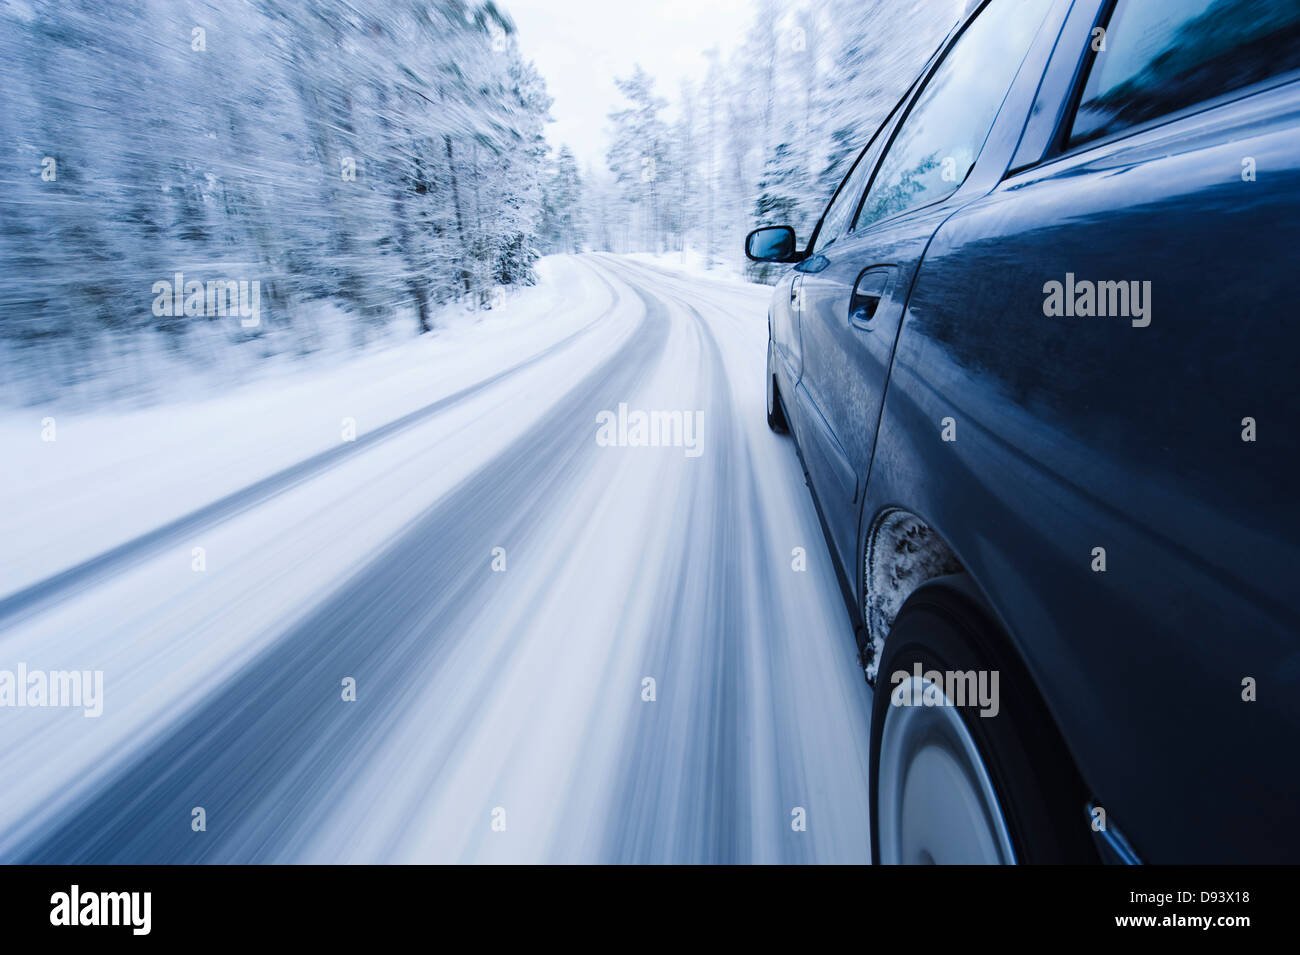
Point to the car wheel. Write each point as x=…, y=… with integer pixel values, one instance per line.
x=949, y=785
x=775, y=413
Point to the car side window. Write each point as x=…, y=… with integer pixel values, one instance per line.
x=1161, y=56
x=942, y=136
x=846, y=200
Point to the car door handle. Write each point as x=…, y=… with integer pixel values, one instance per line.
x=868, y=290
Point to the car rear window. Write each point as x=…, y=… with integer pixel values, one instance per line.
x=1161, y=56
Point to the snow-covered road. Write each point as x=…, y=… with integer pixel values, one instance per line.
x=501, y=586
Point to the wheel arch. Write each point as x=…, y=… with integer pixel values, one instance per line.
x=901, y=551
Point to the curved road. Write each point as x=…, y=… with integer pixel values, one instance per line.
x=503, y=632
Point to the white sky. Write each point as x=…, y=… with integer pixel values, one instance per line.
x=579, y=46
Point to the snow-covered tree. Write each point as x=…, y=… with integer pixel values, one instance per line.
x=638, y=154
x=781, y=193
x=382, y=155
x=563, y=226
x=771, y=129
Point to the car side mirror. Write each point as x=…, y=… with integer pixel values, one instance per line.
x=771, y=244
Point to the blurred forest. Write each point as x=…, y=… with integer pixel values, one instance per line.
x=384, y=156
x=768, y=134
x=370, y=162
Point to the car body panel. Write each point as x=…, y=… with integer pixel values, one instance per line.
x=1090, y=432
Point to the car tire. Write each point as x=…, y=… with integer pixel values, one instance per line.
x=775, y=413
x=949, y=785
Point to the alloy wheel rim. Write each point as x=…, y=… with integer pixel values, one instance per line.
x=935, y=799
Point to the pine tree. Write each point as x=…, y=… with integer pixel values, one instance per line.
x=385, y=156
x=639, y=152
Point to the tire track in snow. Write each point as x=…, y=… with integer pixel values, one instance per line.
x=270, y=748
x=738, y=735
x=708, y=820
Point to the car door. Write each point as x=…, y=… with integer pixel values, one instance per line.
x=831, y=473
x=856, y=285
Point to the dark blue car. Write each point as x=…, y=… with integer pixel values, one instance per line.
x=1039, y=359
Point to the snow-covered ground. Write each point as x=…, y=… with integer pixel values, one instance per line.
x=729, y=267
x=500, y=584
x=109, y=476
